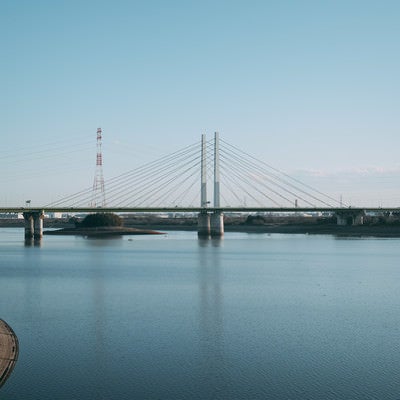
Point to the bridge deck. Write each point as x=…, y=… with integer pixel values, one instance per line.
x=8, y=351
x=192, y=209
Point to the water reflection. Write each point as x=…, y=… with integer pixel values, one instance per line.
x=31, y=242
x=211, y=327
x=215, y=242
x=203, y=242
x=100, y=315
x=105, y=241
x=100, y=322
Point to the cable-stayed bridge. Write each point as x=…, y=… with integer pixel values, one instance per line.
x=181, y=182
x=174, y=181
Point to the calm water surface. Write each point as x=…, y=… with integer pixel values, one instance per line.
x=253, y=316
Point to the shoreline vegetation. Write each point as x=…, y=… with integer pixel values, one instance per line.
x=382, y=226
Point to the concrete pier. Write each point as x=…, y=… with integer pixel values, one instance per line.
x=38, y=225
x=203, y=225
x=8, y=351
x=350, y=217
x=217, y=224
x=29, y=225
x=33, y=224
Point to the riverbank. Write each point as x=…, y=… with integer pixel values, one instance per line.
x=309, y=229
x=8, y=351
x=137, y=226
x=323, y=229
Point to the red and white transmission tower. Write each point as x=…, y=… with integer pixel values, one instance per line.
x=98, y=194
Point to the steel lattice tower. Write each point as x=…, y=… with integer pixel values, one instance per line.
x=98, y=195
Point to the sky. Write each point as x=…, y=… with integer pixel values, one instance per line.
x=310, y=87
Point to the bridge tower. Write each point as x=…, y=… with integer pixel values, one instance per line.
x=217, y=218
x=210, y=224
x=98, y=193
x=203, y=219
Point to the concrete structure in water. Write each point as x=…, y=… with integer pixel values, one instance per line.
x=350, y=217
x=203, y=224
x=217, y=224
x=33, y=224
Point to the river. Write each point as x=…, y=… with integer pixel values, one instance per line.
x=251, y=316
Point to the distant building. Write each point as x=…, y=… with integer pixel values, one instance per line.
x=10, y=215
x=54, y=215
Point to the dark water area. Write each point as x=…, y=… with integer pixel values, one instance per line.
x=252, y=316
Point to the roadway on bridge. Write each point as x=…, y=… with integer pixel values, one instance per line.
x=8, y=351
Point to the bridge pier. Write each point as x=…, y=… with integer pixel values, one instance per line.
x=217, y=224
x=203, y=225
x=38, y=225
x=33, y=224
x=29, y=225
x=350, y=217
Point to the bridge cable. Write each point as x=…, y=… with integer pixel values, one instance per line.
x=281, y=172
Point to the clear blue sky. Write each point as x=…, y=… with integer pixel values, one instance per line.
x=311, y=87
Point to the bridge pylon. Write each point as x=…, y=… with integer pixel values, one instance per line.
x=217, y=218
x=210, y=224
x=203, y=219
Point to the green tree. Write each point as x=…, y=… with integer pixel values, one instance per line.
x=101, y=219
